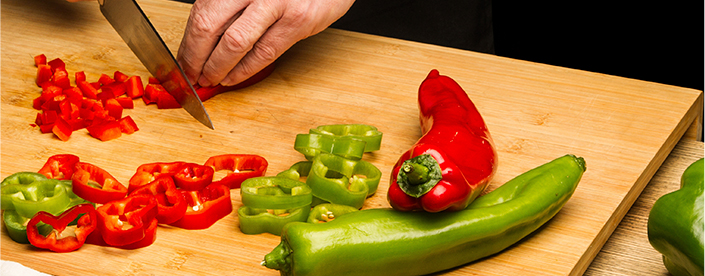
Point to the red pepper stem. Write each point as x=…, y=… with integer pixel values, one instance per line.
x=416, y=174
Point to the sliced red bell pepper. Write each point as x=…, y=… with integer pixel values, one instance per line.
x=95, y=184
x=79, y=76
x=150, y=235
x=87, y=89
x=105, y=79
x=127, y=125
x=57, y=64
x=125, y=221
x=125, y=102
x=40, y=60
x=105, y=131
x=54, y=241
x=239, y=166
x=61, y=78
x=44, y=74
x=147, y=173
x=62, y=129
x=120, y=76
x=193, y=177
x=60, y=166
x=205, y=207
x=114, y=108
x=115, y=88
x=135, y=89
x=171, y=204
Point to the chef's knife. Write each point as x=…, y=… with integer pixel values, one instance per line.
x=135, y=29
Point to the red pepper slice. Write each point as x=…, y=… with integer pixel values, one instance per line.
x=206, y=207
x=193, y=177
x=240, y=167
x=60, y=166
x=171, y=204
x=62, y=129
x=95, y=184
x=125, y=221
x=135, y=88
x=105, y=131
x=127, y=125
x=44, y=74
x=146, y=173
x=86, y=224
x=40, y=59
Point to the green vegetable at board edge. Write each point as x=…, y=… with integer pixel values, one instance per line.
x=675, y=225
x=388, y=242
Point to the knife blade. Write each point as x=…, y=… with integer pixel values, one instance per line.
x=130, y=22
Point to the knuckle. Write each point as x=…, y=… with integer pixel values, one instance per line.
x=234, y=41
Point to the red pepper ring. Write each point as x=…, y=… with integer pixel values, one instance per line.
x=54, y=242
x=150, y=236
x=171, y=204
x=240, y=167
x=125, y=221
x=147, y=173
x=193, y=177
x=206, y=207
x=60, y=166
x=95, y=184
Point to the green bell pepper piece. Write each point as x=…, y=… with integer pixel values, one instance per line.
x=27, y=199
x=299, y=171
x=22, y=178
x=367, y=133
x=16, y=226
x=311, y=145
x=343, y=181
x=328, y=211
x=388, y=242
x=675, y=224
x=256, y=221
x=275, y=193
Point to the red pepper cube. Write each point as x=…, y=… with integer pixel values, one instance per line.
x=57, y=64
x=61, y=78
x=46, y=128
x=77, y=123
x=126, y=102
x=106, y=131
x=135, y=88
x=53, y=103
x=62, y=129
x=74, y=94
x=44, y=74
x=69, y=110
x=114, y=108
x=40, y=60
x=120, y=77
x=49, y=116
x=105, y=79
x=79, y=76
x=127, y=125
x=88, y=90
x=38, y=102
x=104, y=96
x=153, y=80
x=167, y=101
x=151, y=93
x=115, y=88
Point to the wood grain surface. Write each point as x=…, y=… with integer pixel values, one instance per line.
x=623, y=128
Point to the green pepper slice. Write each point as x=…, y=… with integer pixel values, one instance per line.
x=257, y=221
x=327, y=212
x=299, y=171
x=338, y=180
x=275, y=193
x=311, y=145
x=16, y=226
x=367, y=133
x=27, y=199
x=22, y=178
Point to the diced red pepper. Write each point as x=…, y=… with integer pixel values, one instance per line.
x=206, y=207
x=114, y=108
x=88, y=90
x=87, y=223
x=44, y=74
x=171, y=203
x=193, y=177
x=62, y=129
x=40, y=60
x=57, y=64
x=153, y=80
x=167, y=101
x=95, y=184
x=120, y=77
x=61, y=78
x=127, y=125
x=115, y=88
x=46, y=128
x=239, y=166
x=78, y=123
x=135, y=88
x=125, y=221
x=69, y=110
x=146, y=173
x=126, y=102
x=151, y=93
x=105, y=79
x=105, y=131
x=79, y=76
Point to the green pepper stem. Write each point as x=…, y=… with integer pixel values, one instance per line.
x=417, y=174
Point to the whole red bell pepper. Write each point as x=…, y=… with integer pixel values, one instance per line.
x=454, y=160
x=60, y=166
x=125, y=221
x=171, y=204
x=53, y=241
x=95, y=184
x=239, y=166
x=206, y=207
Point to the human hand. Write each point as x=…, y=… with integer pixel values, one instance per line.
x=227, y=41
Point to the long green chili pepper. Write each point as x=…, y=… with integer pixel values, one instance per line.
x=388, y=242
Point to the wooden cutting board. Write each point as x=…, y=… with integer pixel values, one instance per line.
x=623, y=128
